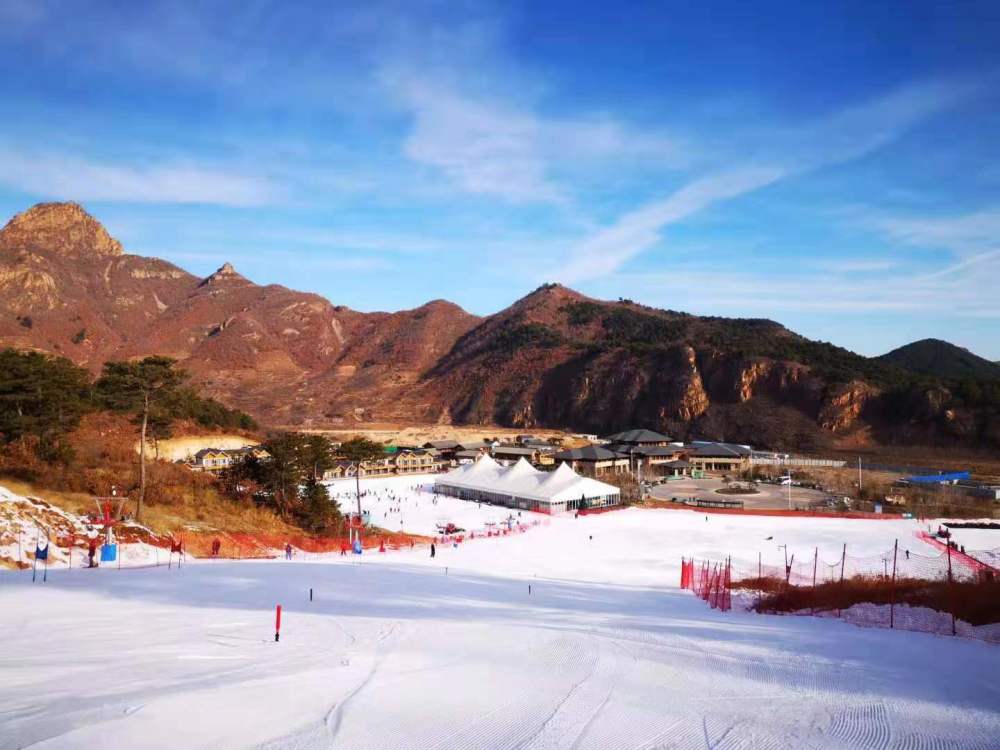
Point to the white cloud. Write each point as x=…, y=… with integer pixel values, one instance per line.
x=751, y=292
x=846, y=135
x=857, y=265
x=608, y=249
x=65, y=177
x=968, y=233
x=489, y=145
x=481, y=147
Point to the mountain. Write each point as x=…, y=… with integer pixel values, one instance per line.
x=941, y=359
x=554, y=358
x=68, y=288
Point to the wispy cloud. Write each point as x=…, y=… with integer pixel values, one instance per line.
x=67, y=177
x=857, y=265
x=610, y=248
x=846, y=135
x=968, y=233
x=480, y=147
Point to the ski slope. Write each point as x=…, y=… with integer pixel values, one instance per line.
x=399, y=650
x=409, y=504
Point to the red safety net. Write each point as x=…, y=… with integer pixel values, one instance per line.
x=921, y=583
x=709, y=580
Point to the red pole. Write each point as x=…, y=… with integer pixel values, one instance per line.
x=277, y=623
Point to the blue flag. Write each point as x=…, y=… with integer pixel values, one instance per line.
x=42, y=553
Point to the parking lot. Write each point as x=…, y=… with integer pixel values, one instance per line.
x=769, y=496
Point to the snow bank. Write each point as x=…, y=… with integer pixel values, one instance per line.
x=26, y=522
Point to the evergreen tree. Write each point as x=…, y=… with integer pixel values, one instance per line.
x=357, y=451
x=140, y=387
x=317, y=453
x=319, y=513
x=42, y=397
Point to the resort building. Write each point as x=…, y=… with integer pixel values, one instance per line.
x=594, y=460
x=399, y=463
x=708, y=456
x=533, y=454
x=524, y=487
x=217, y=459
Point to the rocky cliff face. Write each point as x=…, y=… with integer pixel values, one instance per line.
x=554, y=358
x=63, y=228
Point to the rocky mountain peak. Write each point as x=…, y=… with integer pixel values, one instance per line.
x=226, y=273
x=60, y=228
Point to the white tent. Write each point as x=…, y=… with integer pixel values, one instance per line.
x=524, y=486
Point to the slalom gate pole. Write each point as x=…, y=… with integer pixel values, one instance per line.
x=70, y=558
x=277, y=623
x=34, y=563
x=45, y=570
x=843, y=559
x=815, y=563
x=310, y=594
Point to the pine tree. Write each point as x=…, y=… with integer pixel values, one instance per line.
x=140, y=387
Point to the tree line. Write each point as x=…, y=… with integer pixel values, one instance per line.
x=43, y=398
x=288, y=480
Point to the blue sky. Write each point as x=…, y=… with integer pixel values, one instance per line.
x=833, y=166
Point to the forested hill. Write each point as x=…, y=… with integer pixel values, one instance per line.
x=942, y=359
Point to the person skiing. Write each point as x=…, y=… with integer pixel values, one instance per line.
x=92, y=553
x=216, y=546
x=288, y=550
x=433, y=550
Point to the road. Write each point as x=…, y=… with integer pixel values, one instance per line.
x=769, y=496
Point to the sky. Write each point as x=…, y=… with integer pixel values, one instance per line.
x=832, y=166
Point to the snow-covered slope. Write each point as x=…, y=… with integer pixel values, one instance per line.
x=399, y=650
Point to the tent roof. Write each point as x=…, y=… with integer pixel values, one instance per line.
x=523, y=480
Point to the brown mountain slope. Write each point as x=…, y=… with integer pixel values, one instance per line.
x=554, y=358
x=67, y=288
x=559, y=358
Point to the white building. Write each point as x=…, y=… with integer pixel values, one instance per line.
x=525, y=487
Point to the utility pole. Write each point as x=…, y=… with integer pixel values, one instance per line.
x=892, y=590
x=357, y=493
